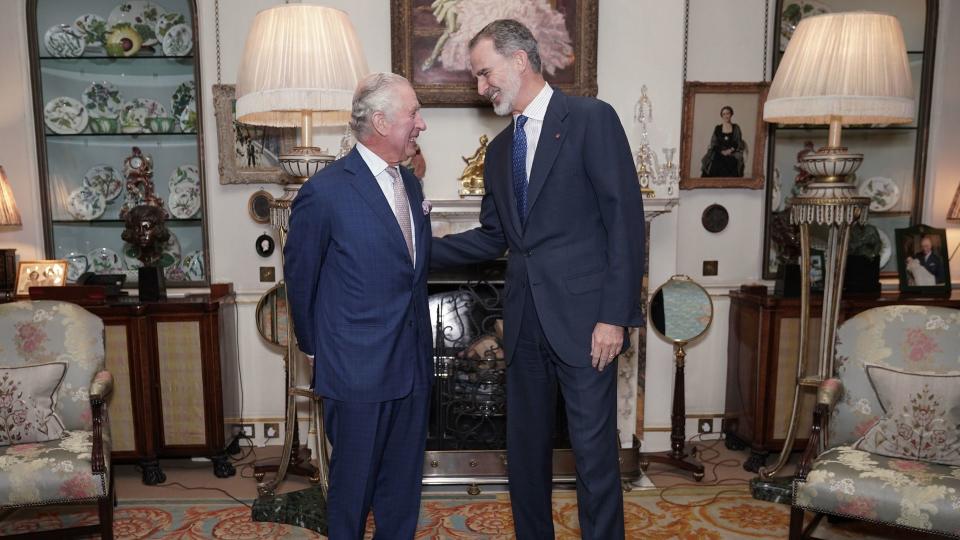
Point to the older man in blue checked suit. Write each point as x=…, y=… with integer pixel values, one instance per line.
x=563, y=196
x=356, y=273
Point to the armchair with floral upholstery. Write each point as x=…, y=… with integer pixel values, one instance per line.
x=885, y=445
x=54, y=434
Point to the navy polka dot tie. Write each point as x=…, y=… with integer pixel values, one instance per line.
x=520, y=167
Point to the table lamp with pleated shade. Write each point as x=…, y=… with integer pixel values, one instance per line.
x=839, y=69
x=300, y=66
x=10, y=217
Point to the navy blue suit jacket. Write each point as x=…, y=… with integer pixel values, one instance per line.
x=359, y=306
x=581, y=247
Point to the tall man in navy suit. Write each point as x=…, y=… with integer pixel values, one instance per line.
x=562, y=195
x=356, y=273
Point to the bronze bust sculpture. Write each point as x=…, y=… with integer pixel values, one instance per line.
x=146, y=232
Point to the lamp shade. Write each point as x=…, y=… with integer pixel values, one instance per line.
x=9, y=215
x=849, y=66
x=297, y=58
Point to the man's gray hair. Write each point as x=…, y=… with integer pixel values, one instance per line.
x=510, y=36
x=373, y=94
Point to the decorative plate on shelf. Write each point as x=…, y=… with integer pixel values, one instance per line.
x=167, y=21
x=170, y=256
x=64, y=41
x=178, y=41
x=76, y=265
x=185, y=178
x=776, y=195
x=94, y=28
x=184, y=204
x=105, y=261
x=183, y=98
x=188, y=119
x=65, y=115
x=105, y=179
x=886, y=248
x=86, y=203
x=882, y=191
x=143, y=15
x=134, y=114
x=793, y=12
x=102, y=100
x=192, y=265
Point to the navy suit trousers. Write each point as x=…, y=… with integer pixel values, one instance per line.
x=591, y=400
x=377, y=461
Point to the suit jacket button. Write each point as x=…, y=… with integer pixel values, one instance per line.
x=529, y=252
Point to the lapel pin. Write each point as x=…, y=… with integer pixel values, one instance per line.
x=556, y=135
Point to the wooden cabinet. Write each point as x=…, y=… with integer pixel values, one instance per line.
x=167, y=359
x=762, y=348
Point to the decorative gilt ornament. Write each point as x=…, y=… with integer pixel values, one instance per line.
x=471, y=180
x=646, y=159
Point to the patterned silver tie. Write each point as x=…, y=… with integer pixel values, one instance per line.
x=402, y=206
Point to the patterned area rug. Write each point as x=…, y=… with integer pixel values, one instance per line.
x=684, y=513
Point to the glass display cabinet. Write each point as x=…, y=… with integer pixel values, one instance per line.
x=894, y=157
x=111, y=80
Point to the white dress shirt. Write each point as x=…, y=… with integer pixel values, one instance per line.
x=378, y=167
x=535, y=112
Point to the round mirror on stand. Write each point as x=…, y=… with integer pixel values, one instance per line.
x=680, y=312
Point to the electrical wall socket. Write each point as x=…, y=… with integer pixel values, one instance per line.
x=271, y=430
x=705, y=425
x=246, y=429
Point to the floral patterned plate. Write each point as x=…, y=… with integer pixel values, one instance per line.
x=86, y=203
x=167, y=21
x=188, y=119
x=65, y=115
x=134, y=114
x=185, y=178
x=102, y=100
x=178, y=40
x=105, y=179
x=94, y=28
x=184, y=204
x=183, y=98
x=143, y=15
x=64, y=41
x=192, y=265
x=882, y=191
x=76, y=265
x=105, y=261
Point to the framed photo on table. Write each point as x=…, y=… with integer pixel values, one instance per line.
x=52, y=273
x=723, y=137
x=429, y=44
x=248, y=154
x=922, y=261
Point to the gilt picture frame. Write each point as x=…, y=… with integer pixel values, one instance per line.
x=248, y=154
x=714, y=154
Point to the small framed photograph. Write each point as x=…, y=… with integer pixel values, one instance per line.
x=51, y=273
x=248, y=154
x=723, y=137
x=922, y=261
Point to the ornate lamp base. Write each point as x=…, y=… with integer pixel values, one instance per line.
x=306, y=508
x=304, y=161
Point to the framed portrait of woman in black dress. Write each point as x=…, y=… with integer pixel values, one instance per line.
x=724, y=135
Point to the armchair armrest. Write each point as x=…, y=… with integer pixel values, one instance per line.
x=827, y=395
x=100, y=388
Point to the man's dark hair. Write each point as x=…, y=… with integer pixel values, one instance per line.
x=510, y=36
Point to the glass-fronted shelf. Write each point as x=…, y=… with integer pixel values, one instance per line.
x=894, y=157
x=110, y=77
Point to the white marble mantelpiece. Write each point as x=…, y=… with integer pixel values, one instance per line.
x=456, y=215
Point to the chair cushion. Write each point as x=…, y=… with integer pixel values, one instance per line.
x=851, y=482
x=53, y=471
x=921, y=415
x=28, y=398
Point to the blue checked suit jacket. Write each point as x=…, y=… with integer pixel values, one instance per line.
x=358, y=304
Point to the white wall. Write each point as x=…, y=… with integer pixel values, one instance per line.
x=640, y=42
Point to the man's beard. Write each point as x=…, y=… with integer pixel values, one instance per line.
x=508, y=94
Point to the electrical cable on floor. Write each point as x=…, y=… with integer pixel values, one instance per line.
x=716, y=481
x=195, y=488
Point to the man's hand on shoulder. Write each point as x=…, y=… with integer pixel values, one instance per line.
x=605, y=344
